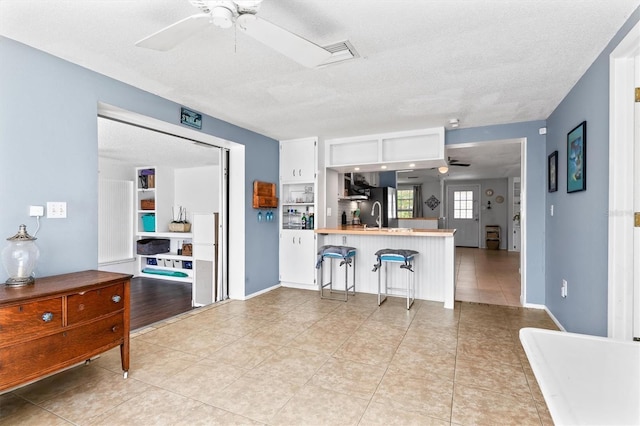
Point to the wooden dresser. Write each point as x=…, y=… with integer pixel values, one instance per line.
x=60, y=321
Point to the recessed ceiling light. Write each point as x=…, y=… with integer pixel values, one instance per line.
x=356, y=168
x=383, y=167
x=412, y=165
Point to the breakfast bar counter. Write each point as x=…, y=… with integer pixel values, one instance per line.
x=434, y=266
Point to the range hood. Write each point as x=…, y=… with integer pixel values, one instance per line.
x=355, y=187
x=358, y=197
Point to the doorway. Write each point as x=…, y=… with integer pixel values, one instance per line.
x=194, y=175
x=494, y=166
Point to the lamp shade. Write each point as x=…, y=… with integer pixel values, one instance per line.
x=19, y=258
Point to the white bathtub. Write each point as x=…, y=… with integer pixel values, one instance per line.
x=585, y=380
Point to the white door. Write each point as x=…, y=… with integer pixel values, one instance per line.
x=462, y=214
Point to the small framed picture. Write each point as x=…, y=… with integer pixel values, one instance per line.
x=577, y=158
x=552, y=172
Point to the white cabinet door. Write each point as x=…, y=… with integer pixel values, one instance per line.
x=387, y=148
x=297, y=160
x=297, y=257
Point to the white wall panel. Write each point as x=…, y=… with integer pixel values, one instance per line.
x=115, y=220
x=434, y=265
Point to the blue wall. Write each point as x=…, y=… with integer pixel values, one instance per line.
x=49, y=152
x=576, y=246
x=535, y=195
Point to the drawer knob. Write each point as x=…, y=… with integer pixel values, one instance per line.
x=47, y=317
x=116, y=298
x=114, y=328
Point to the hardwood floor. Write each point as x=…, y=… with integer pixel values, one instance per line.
x=154, y=300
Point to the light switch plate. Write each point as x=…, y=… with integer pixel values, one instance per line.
x=56, y=209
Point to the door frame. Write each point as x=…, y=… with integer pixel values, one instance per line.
x=621, y=188
x=523, y=208
x=235, y=249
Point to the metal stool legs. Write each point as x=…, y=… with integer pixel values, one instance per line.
x=410, y=285
x=348, y=289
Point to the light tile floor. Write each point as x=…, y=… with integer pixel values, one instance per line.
x=488, y=276
x=288, y=358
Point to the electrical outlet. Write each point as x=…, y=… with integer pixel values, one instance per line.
x=36, y=211
x=564, y=290
x=56, y=209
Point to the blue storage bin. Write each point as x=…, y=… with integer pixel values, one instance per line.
x=149, y=223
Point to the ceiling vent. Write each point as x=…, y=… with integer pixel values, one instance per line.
x=340, y=52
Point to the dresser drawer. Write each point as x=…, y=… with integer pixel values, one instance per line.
x=26, y=361
x=94, y=303
x=30, y=319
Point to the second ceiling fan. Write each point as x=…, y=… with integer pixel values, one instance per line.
x=243, y=14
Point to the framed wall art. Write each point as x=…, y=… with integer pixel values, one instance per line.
x=552, y=172
x=577, y=158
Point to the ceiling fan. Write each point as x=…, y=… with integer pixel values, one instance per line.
x=242, y=14
x=450, y=162
x=454, y=162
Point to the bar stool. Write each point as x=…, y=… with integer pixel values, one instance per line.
x=405, y=259
x=347, y=257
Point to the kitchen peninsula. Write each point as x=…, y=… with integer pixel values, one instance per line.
x=435, y=265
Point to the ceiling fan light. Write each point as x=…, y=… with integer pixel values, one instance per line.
x=443, y=169
x=222, y=17
x=245, y=20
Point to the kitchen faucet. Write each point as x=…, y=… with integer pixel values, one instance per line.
x=378, y=219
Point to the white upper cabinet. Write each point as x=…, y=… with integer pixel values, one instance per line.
x=424, y=145
x=298, y=160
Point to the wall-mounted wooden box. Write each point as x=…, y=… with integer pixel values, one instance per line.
x=147, y=204
x=264, y=195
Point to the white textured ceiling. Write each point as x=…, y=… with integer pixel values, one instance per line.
x=422, y=61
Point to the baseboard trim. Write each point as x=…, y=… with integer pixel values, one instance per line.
x=299, y=286
x=258, y=293
x=534, y=306
x=554, y=319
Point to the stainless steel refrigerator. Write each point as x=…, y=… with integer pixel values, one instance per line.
x=387, y=198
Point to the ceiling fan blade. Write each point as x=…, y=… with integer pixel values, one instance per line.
x=169, y=37
x=289, y=44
